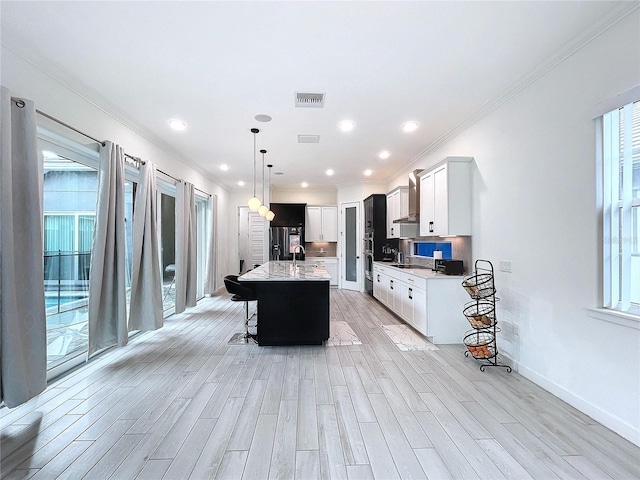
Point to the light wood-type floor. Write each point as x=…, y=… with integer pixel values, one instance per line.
x=180, y=403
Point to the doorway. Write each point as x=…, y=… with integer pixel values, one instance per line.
x=350, y=256
x=250, y=239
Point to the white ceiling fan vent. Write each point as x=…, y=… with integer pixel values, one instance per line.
x=309, y=100
x=308, y=138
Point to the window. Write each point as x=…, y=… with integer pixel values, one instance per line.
x=69, y=200
x=167, y=226
x=621, y=208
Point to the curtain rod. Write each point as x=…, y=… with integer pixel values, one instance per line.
x=20, y=103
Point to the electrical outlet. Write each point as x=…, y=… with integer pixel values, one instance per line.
x=505, y=266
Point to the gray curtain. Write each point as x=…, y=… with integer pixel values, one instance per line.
x=23, y=328
x=210, y=275
x=186, y=261
x=145, y=309
x=107, y=288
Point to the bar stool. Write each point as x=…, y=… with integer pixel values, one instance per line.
x=242, y=293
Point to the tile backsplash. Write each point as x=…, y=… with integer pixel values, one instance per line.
x=460, y=250
x=321, y=249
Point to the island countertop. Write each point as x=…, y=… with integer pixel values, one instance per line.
x=286, y=272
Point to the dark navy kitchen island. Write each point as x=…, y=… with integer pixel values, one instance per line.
x=293, y=303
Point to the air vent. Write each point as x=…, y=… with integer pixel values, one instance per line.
x=309, y=100
x=308, y=138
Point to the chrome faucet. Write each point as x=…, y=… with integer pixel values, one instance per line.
x=295, y=249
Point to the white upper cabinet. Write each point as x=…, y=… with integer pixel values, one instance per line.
x=321, y=223
x=445, y=198
x=397, y=207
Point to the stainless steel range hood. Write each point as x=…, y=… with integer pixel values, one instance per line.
x=414, y=200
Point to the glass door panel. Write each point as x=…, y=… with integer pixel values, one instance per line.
x=352, y=265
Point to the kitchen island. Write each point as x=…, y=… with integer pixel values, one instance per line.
x=293, y=302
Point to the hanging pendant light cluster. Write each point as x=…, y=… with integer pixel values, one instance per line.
x=254, y=203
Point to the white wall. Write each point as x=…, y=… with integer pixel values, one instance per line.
x=308, y=196
x=51, y=96
x=535, y=205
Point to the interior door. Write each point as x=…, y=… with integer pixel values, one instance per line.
x=250, y=239
x=350, y=255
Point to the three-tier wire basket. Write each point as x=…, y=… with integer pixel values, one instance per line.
x=481, y=341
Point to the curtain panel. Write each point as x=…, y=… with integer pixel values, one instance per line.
x=107, y=288
x=210, y=276
x=186, y=258
x=23, y=329
x=145, y=309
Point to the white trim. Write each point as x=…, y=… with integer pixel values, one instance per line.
x=619, y=101
x=619, y=426
x=614, y=316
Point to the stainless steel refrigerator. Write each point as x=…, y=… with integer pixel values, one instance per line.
x=282, y=242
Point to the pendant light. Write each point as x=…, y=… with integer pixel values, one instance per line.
x=254, y=202
x=270, y=215
x=263, y=208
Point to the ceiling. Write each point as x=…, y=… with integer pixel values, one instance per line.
x=216, y=65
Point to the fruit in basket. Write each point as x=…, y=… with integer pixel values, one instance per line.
x=485, y=319
x=479, y=351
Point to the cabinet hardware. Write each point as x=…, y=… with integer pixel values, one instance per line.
x=411, y=293
x=391, y=284
x=378, y=278
x=431, y=226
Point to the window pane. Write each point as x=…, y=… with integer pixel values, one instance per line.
x=129, y=195
x=168, y=247
x=351, y=274
x=69, y=199
x=59, y=235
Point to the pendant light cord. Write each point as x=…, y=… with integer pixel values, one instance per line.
x=254, y=164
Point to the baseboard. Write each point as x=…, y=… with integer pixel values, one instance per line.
x=612, y=422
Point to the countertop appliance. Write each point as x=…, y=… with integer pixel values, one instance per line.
x=448, y=267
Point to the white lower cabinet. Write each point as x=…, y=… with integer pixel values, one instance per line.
x=432, y=306
x=380, y=285
x=331, y=266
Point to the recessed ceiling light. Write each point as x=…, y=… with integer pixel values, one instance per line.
x=368, y=172
x=347, y=125
x=304, y=184
x=278, y=173
x=240, y=183
x=224, y=167
x=263, y=117
x=329, y=172
x=384, y=154
x=177, y=124
x=410, y=126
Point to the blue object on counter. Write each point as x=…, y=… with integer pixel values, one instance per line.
x=425, y=249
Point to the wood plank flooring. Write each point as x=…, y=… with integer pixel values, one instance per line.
x=180, y=403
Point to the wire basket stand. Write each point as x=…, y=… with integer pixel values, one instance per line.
x=481, y=342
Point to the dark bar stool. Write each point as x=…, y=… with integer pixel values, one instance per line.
x=241, y=293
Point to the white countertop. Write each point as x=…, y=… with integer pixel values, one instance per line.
x=418, y=272
x=285, y=272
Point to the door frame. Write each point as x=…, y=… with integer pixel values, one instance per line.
x=358, y=285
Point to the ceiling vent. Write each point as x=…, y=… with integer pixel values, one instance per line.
x=309, y=100
x=308, y=138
